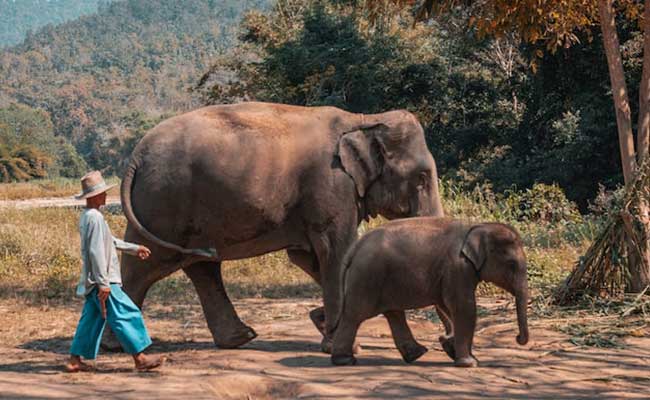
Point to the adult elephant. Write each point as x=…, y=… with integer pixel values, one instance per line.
x=236, y=181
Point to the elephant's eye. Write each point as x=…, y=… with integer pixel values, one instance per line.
x=423, y=181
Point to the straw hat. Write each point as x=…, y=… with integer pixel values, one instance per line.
x=92, y=184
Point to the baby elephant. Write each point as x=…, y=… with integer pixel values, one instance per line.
x=417, y=262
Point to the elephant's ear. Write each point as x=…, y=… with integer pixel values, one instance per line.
x=475, y=246
x=361, y=156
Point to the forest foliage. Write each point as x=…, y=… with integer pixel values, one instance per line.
x=103, y=78
x=489, y=116
x=490, y=119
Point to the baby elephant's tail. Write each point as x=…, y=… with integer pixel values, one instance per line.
x=345, y=265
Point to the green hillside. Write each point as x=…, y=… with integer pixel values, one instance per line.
x=105, y=77
x=18, y=17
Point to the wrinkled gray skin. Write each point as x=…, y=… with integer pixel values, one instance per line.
x=253, y=178
x=418, y=262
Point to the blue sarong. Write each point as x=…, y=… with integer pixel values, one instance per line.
x=124, y=318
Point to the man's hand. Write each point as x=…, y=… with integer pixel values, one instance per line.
x=143, y=252
x=103, y=294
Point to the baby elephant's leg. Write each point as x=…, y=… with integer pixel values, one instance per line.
x=346, y=332
x=408, y=347
x=464, y=320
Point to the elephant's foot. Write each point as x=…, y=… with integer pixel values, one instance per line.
x=235, y=339
x=340, y=359
x=317, y=316
x=466, y=362
x=326, y=346
x=447, y=344
x=412, y=351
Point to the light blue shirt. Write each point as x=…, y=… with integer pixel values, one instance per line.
x=101, y=267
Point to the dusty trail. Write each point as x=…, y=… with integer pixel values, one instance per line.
x=285, y=362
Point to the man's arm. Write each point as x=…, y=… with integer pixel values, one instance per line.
x=131, y=248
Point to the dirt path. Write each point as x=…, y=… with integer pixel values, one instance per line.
x=285, y=362
x=51, y=202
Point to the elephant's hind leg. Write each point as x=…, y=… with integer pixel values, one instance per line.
x=228, y=331
x=343, y=343
x=408, y=347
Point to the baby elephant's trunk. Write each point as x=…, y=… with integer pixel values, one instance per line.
x=522, y=317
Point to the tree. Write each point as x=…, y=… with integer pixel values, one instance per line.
x=556, y=23
x=29, y=149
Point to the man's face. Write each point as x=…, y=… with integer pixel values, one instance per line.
x=97, y=201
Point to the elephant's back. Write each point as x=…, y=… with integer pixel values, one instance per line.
x=261, y=121
x=226, y=166
x=243, y=136
x=417, y=229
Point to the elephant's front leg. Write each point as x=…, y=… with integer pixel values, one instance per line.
x=463, y=314
x=228, y=331
x=308, y=262
x=330, y=248
x=446, y=340
x=408, y=347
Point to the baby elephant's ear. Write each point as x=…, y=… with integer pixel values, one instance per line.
x=475, y=246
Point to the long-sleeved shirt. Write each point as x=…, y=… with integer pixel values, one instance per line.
x=101, y=267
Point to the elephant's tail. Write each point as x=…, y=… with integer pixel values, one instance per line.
x=127, y=207
x=345, y=265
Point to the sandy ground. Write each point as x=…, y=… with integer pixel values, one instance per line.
x=52, y=202
x=284, y=361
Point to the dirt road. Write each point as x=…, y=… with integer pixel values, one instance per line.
x=284, y=361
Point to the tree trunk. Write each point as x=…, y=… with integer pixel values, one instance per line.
x=619, y=89
x=643, y=130
x=640, y=262
x=638, y=253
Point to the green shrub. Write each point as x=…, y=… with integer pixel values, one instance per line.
x=542, y=203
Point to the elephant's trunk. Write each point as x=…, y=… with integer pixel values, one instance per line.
x=522, y=317
x=427, y=203
x=435, y=197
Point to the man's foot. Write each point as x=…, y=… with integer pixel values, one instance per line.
x=75, y=364
x=147, y=363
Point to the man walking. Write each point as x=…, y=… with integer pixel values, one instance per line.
x=101, y=284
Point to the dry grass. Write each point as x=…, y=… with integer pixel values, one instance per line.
x=39, y=262
x=60, y=187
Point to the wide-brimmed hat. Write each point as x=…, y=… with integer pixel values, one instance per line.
x=92, y=184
